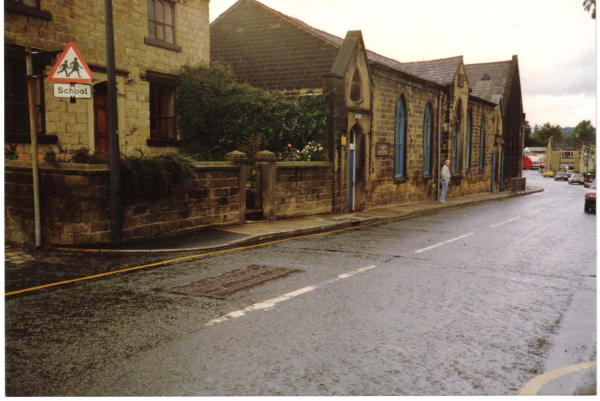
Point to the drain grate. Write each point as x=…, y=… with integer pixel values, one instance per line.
x=233, y=281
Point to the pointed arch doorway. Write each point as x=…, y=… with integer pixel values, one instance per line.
x=356, y=168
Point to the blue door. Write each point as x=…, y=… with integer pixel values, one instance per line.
x=351, y=170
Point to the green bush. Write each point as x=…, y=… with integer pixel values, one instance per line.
x=157, y=175
x=217, y=115
x=83, y=156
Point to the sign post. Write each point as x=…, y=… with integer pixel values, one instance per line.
x=34, y=155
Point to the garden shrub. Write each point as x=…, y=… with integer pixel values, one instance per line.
x=217, y=115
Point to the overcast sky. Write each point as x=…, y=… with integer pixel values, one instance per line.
x=554, y=40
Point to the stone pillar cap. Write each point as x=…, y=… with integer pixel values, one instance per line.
x=236, y=157
x=265, y=156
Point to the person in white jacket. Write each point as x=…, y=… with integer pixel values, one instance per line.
x=445, y=180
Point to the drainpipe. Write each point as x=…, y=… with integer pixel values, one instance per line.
x=439, y=158
x=34, y=156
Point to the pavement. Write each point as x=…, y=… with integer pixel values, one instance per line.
x=254, y=232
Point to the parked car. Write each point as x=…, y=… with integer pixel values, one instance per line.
x=561, y=176
x=549, y=173
x=590, y=198
x=569, y=173
x=576, y=179
x=589, y=178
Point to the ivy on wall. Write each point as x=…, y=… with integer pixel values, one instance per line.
x=217, y=115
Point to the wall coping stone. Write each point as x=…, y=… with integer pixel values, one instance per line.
x=303, y=164
x=64, y=168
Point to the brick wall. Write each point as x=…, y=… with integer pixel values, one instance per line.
x=82, y=22
x=268, y=51
x=302, y=189
x=75, y=204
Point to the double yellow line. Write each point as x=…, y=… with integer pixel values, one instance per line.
x=164, y=262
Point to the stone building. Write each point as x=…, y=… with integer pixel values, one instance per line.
x=153, y=39
x=500, y=82
x=570, y=153
x=391, y=124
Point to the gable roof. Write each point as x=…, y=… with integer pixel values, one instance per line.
x=438, y=71
x=488, y=80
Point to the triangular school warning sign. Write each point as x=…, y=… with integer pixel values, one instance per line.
x=70, y=67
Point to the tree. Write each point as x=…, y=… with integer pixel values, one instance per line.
x=590, y=5
x=585, y=130
x=548, y=130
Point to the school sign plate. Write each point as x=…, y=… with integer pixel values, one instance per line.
x=77, y=91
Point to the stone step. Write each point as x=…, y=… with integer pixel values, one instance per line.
x=254, y=214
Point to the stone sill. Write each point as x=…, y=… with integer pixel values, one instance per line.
x=427, y=177
x=400, y=180
x=163, y=44
x=26, y=10
x=162, y=142
x=26, y=138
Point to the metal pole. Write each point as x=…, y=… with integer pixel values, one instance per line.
x=34, y=151
x=439, y=158
x=116, y=225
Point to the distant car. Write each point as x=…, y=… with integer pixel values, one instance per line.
x=560, y=176
x=549, y=173
x=576, y=179
x=590, y=198
x=569, y=173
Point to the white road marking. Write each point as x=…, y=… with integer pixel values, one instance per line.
x=507, y=221
x=270, y=303
x=570, y=199
x=556, y=204
x=538, y=382
x=535, y=211
x=443, y=243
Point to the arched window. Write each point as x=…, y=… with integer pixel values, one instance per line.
x=456, y=144
x=427, y=140
x=355, y=91
x=482, y=146
x=400, y=151
x=161, y=20
x=469, y=140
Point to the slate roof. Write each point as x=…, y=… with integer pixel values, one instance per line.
x=441, y=71
x=569, y=143
x=489, y=79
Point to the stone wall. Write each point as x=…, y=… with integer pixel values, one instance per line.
x=302, y=189
x=82, y=22
x=416, y=186
x=74, y=202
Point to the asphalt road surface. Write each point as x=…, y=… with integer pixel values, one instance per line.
x=473, y=301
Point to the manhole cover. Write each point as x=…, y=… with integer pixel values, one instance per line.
x=233, y=281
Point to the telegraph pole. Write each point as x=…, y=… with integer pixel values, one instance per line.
x=116, y=225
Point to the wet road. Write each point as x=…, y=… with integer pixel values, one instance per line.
x=473, y=301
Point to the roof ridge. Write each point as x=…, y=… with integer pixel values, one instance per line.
x=491, y=62
x=431, y=61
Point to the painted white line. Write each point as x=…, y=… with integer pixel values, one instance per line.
x=507, y=221
x=556, y=204
x=535, y=211
x=443, y=243
x=570, y=199
x=270, y=303
x=538, y=382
